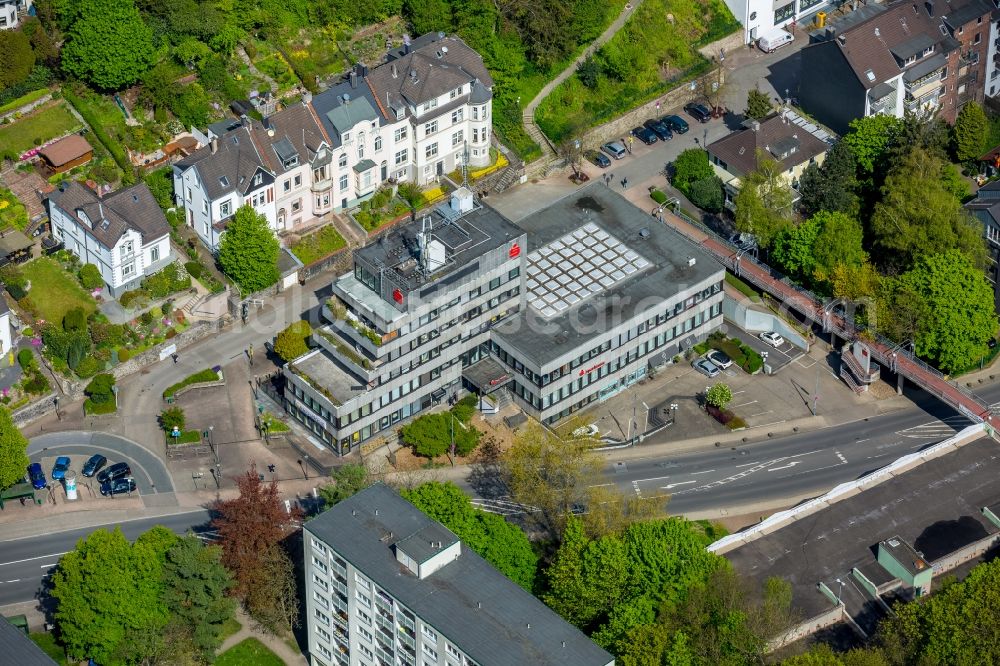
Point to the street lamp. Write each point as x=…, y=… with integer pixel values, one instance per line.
x=305, y=474
x=673, y=412
x=840, y=592
x=218, y=475
x=114, y=389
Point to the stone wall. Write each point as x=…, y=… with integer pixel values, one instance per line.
x=725, y=45
x=187, y=338
x=679, y=96
x=339, y=262
x=34, y=411
x=26, y=108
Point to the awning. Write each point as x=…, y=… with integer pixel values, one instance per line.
x=487, y=375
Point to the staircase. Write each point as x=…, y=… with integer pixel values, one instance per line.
x=536, y=134
x=503, y=399
x=850, y=381
x=510, y=175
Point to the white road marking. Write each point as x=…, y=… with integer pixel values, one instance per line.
x=39, y=557
x=791, y=464
x=49, y=566
x=705, y=472
x=745, y=404
x=16, y=580
x=746, y=465
x=841, y=457
x=679, y=483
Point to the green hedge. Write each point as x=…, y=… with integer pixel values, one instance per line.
x=206, y=375
x=91, y=407
x=24, y=99
x=113, y=147
x=658, y=196
x=742, y=354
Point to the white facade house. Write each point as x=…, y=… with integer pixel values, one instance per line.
x=760, y=17
x=12, y=11
x=125, y=234
x=425, y=112
x=6, y=346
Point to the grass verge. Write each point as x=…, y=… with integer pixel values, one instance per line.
x=250, y=652
x=92, y=408
x=318, y=245
x=742, y=287
x=24, y=99
x=206, y=375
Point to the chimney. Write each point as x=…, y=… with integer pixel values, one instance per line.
x=307, y=97
x=213, y=145
x=244, y=120
x=842, y=39
x=354, y=79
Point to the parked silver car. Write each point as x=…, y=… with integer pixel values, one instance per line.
x=706, y=367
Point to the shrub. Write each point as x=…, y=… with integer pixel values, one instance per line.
x=37, y=383
x=134, y=299
x=706, y=193
x=14, y=281
x=99, y=390
x=90, y=276
x=28, y=305
x=721, y=415
x=146, y=317
x=76, y=351
x=25, y=359
x=75, y=321
x=107, y=335
x=88, y=367
x=658, y=196
x=291, y=342
x=171, y=418
x=465, y=408
x=171, y=334
x=194, y=269
x=736, y=423
x=166, y=282
x=27, y=331
x=719, y=396
x=123, y=355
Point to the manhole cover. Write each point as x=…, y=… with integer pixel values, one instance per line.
x=620, y=467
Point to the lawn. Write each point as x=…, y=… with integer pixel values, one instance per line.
x=655, y=52
x=206, y=375
x=250, y=652
x=49, y=646
x=318, y=245
x=41, y=126
x=24, y=99
x=54, y=292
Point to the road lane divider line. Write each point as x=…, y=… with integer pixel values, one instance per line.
x=37, y=557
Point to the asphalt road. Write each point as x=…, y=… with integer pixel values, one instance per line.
x=25, y=563
x=148, y=470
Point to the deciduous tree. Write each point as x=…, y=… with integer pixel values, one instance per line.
x=869, y=137
x=348, y=480
x=838, y=243
x=104, y=589
x=719, y=395
x=501, y=544
x=249, y=250
x=764, y=202
x=250, y=528
x=431, y=435
x=918, y=216
x=960, y=301
x=107, y=44
x=691, y=166
x=969, y=132
x=13, y=451
x=291, y=342
x=707, y=194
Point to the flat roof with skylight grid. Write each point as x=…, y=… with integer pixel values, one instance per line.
x=581, y=264
x=596, y=261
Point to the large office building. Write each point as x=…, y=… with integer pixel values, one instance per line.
x=387, y=586
x=570, y=306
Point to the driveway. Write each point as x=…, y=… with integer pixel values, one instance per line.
x=150, y=473
x=777, y=358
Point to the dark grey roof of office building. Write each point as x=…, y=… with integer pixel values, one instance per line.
x=481, y=611
x=467, y=238
x=542, y=340
x=936, y=507
x=17, y=648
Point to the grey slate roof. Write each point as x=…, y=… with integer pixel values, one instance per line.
x=959, y=16
x=428, y=71
x=739, y=149
x=19, y=649
x=470, y=603
x=109, y=218
x=350, y=112
x=327, y=106
x=233, y=164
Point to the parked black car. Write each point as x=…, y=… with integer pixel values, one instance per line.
x=116, y=471
x=675, y=123
x=659, y=128
x=118, y=486
x=647, y=136
x=94, y=464
x=699, y=112
x=599, y=159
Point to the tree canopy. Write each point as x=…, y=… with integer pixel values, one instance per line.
x=957, y=301
x=17, y=57
x=869, y=137
x=248, y=253
x=107, y=44
x=919, y=216
x=13, y=451
x=431, y=435
x=759, y=104
x=501, y=544
x=969, y=132
x=833, y=185
x=348, y=480
x=690, y=166
x=291, y=342
x=764, y=202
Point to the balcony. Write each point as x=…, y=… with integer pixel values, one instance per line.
x=927, y=102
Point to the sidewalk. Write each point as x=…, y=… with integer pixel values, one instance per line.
x=272, y=642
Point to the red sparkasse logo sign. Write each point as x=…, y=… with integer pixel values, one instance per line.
x=397, y=295
x=515, y=250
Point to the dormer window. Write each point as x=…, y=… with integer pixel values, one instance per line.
x=83, y=216
x=929, y=50
x=912, y=59
x=258, y=179
x=345, y=137
x=456, y=92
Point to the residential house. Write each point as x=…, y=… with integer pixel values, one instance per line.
x=986, y=209
x=424, y=112
x=6, y=344
x=124, y=234
x=386, y=584
x=927, y=58
x=12, y=12
x=780, y=137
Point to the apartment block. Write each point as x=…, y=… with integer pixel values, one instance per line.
x=926, y=58
x=385, y=585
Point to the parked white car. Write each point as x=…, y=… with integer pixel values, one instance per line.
x=772, y=339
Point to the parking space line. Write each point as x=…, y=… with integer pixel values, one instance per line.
x=745, y=404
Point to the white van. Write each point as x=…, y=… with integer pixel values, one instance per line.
x=774, y=40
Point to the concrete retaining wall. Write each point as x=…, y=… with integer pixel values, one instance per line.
x=754, y=320
x=963, y=555
x=809, y=627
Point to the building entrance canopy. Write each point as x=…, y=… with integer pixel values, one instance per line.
x=487, y=375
